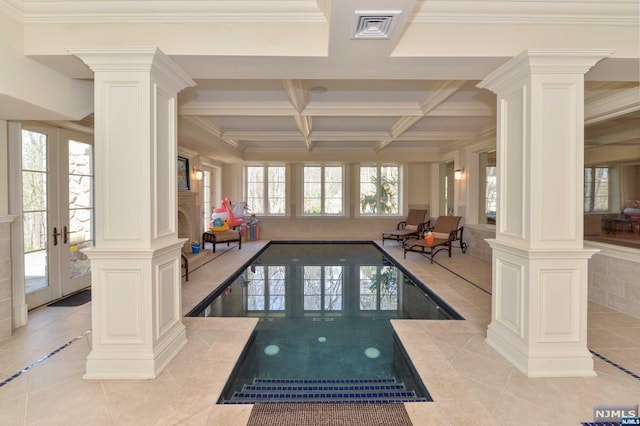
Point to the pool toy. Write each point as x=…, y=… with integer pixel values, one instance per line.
x=233, y=212
x=219, y=224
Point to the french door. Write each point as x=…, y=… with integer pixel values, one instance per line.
x=57, y=209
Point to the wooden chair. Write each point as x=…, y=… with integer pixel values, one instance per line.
x=413, y=226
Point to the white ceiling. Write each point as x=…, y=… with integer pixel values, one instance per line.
x=286, y=76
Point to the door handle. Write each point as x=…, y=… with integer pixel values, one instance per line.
x=56, y=234
x=65, y=235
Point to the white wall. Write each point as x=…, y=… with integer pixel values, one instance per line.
x=31, y=91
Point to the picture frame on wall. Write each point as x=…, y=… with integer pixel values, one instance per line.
x=183, y=174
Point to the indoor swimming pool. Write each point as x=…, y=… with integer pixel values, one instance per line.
x=324, y=331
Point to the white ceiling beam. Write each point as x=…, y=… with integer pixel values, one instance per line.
x=617, y=137
x=299, y=98
x=439, y=93
x=605, y=107
x=215, y=131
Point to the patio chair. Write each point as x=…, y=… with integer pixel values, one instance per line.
x=414, y=226
x=446, y=231
x=448, y=227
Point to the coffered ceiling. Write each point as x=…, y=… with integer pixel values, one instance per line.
x=321, y=79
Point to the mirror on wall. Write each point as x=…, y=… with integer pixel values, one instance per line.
x=612, y=181
x=487, y=188
x=447, y=188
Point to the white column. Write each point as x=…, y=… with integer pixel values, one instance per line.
x=539, y=306
x=6, y=301
x=136, y=285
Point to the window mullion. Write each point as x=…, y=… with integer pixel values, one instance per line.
x=322, y=191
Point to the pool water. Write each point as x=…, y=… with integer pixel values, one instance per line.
x=325, y=313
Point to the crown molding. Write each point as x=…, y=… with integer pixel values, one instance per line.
x=542, y=61
x=141, y=11
x=614, y=12
x=68, y=125
x=13, y=8
x=615, y=105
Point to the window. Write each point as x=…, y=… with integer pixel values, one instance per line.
x=323, y=190
x=447, y=188
x=379, y=190
x=206, y=199
x=487, y=187
x=378, y=288
x=266, y=288
x=491, y=194
x=266, y=189
x=596, y=189
x=323, y=288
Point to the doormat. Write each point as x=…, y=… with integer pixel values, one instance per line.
x=329, y=414
x=75, y=299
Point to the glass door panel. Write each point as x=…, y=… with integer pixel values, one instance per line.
x=34, y=207
x=58, y=210
x=39, y=216
x=79, y=231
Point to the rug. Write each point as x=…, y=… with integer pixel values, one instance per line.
x=339, y=414
x=75, y=299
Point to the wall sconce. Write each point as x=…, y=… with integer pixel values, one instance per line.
x=198, y=173
x=457, y=175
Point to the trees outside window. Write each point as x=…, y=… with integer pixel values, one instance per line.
x=379, y=190
x=265, y=187
x=323, y=190
x=596, y=189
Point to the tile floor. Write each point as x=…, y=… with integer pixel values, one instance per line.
x=470, y=383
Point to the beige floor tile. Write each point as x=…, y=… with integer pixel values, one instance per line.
x=511, y=411
x=480, y=368
x=13, y=412
x=469, y=381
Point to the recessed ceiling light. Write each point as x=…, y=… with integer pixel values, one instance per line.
x=318, y=89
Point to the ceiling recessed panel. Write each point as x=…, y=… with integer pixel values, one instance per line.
x=238, y=91
x=369, y=90
x=362, y=124
x=443, y=124
x=255, y=123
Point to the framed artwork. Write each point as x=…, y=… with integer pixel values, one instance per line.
x=183, y=174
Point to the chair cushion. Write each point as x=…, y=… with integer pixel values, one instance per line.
x=441, y=235
x=227, y=236
x=411, y=227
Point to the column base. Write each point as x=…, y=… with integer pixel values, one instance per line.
x=541, y=362
x=139, y=364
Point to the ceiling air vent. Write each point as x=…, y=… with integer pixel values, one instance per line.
x=374, y=24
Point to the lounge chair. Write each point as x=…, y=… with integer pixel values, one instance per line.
x=446, y=231
x=413, y=226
